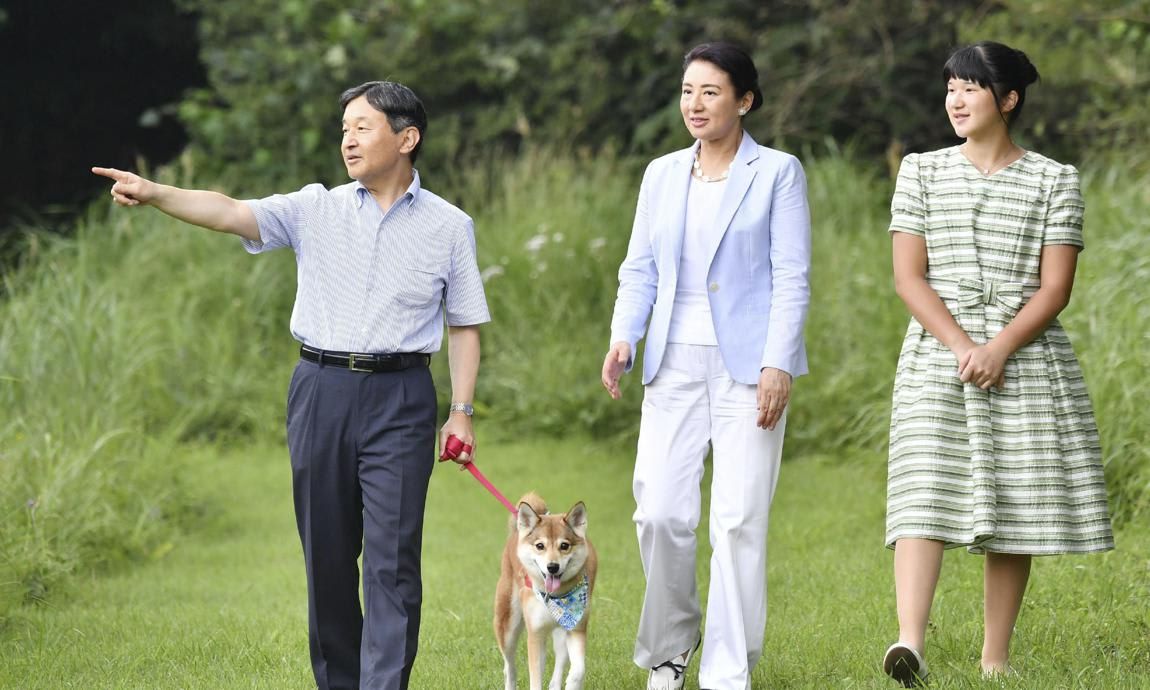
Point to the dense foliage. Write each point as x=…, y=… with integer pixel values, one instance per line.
x=501, y=73
x=1094, y=58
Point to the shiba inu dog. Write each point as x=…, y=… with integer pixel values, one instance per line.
x=545, y=582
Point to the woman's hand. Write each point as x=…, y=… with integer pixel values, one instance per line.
x=613, y=366
x=774, y=394
x=983, y=365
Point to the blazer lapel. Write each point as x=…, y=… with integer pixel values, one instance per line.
x=742, y=175
x=679, y=186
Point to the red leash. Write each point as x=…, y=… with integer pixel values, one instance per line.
x=452, y=447
x=495, y=492
x=489, y=486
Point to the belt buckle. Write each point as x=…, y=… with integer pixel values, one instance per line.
x=351, y=363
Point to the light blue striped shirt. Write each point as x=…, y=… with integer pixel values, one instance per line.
x=369, y=281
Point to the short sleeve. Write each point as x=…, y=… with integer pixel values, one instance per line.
x=1064, y=210
x=465, y=301
x=281, y=218
x=907, y=210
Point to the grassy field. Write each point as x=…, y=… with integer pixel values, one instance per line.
x=225, y=607
x=139, y=337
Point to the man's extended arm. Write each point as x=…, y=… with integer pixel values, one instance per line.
x=210, y=210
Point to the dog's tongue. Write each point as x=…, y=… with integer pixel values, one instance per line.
x=551, y=582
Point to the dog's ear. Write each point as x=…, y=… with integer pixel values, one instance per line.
x=527, y=518
x=577, y=519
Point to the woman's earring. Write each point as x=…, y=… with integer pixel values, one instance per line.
x=742, y=112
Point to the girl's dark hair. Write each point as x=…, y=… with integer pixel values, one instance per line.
x=399, y=103
x=991, y=65
x=735, y=62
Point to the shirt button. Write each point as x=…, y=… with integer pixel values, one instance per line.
x=714, y=287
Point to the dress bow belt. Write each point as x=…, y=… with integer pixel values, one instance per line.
x=971, y=292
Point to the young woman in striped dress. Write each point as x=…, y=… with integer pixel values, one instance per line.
x=993, y=444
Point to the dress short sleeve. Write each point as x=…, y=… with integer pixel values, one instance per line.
x=907, y=209
x=1064, y=210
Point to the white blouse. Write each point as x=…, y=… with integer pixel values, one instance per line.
x=691, y=322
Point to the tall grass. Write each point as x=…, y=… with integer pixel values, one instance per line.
x=857, y=323
x=550, y=236
x=114, y=347
x=141, y=334
x=1109, y=324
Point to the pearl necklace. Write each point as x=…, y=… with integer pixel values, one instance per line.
x=697, y=171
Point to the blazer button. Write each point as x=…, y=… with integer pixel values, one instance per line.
x=714, y=287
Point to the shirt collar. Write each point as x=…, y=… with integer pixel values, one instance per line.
x=409, y=198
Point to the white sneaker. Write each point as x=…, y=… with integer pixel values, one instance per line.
x=671, y=674
x=904, y=664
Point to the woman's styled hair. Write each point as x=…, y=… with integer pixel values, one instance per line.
x=735, y=62
x=399, y=103
x=995, y=66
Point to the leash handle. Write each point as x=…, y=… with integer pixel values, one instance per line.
x=489, y=486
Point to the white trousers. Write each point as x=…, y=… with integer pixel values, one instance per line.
x=691, y=405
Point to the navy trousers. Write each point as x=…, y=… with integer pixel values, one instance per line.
x=362, y=449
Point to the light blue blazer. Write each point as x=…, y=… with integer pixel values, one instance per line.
x=758, y=276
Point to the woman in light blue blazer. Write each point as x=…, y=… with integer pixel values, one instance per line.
x=716, y=277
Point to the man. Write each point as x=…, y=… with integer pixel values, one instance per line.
x=380, y=262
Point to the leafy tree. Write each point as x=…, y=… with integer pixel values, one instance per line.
x=491, y=72
x=1094, y=60
x=581, y=73
x=587, y=74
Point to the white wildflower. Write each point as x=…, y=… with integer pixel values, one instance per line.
x=536, y=243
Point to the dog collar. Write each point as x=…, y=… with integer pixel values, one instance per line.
x=567, y=609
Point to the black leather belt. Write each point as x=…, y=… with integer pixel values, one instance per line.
x=391, y=361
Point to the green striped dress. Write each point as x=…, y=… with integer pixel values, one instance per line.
x=1016, y=470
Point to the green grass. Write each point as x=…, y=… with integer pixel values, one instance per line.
x=225, y=608
x=109, y=359
x=140, y=335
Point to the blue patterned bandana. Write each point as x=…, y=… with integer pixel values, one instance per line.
x=568, y=609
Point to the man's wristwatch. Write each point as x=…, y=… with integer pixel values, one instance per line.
x=465, y=408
